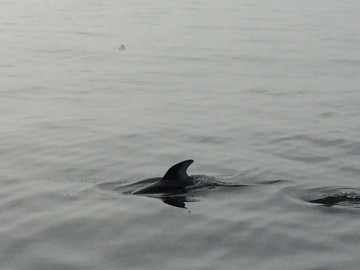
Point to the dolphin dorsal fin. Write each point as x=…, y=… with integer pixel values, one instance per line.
x=177, y=175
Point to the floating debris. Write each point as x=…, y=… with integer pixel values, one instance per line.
x=122, y=48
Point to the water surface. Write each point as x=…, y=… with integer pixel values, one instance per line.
x=253, y=91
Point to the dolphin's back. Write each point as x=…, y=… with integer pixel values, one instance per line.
x=175, y=180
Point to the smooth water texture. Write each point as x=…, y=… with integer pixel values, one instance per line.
x=263, y=94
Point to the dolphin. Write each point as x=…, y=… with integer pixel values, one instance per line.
x=174, y=181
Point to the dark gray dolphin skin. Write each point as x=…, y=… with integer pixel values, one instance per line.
x=175, y=180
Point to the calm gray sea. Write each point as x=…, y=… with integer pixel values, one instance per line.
x=252, y=90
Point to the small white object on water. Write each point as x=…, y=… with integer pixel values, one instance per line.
x=122, y=47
